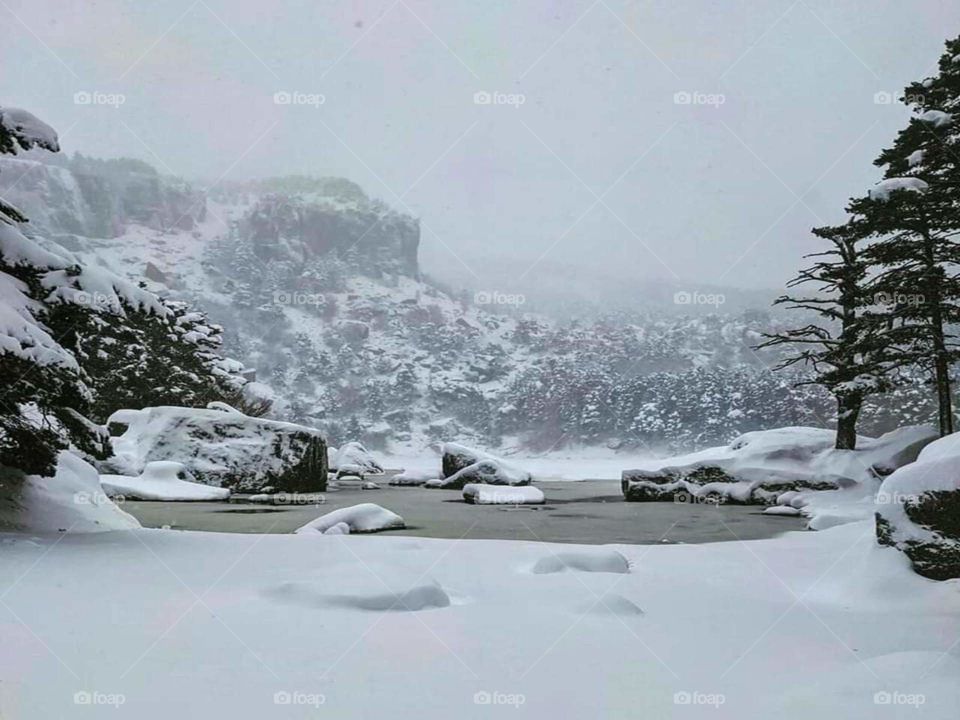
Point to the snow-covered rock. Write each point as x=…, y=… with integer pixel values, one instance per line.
x=362, y=518
x=354, y=459
x=478, y=494
x=463, y=465
x=161, y=480
x=760, y=467
x=918, y=510
x=72, y=500
x=223, y=449
x=487, y=472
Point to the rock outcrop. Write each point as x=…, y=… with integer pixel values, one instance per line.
x=918, y=510
x=231, y=450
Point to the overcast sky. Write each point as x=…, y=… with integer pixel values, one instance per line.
x=600, y=165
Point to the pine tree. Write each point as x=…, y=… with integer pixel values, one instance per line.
x=846, y=348
x=914, y=211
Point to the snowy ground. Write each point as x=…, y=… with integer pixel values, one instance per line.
x=179, y=624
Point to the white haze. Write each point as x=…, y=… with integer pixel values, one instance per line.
x=599, y=168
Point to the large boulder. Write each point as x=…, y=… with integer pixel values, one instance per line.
x=224, y=449
x=918, y=510
x=463, y=465
x=760, y=467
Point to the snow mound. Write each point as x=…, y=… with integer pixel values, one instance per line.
x=795, y=463
x=478, y=494
x=918, y=510
x=71, y=500
x=600, y=561
x=161, y=480
x=362, y=518
x=413, y=477
x=354, y=459
x=224, y=449
x=882, y=190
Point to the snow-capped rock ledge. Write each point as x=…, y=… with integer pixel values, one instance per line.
x=762, y=467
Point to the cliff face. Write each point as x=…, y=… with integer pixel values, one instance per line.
x=98, y=198
x=368, y=237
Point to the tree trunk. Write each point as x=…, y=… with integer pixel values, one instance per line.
x=848, y=411
x=941, y=363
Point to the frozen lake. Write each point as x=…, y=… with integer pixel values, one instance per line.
x=590, y=512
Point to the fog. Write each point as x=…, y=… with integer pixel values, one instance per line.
x=691, y=143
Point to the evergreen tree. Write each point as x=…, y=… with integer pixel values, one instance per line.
x=913, y=211
x=846, y=347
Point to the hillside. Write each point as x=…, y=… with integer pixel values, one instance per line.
x=318, y=287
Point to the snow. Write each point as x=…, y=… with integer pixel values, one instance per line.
x=481, y=494
x=229, y=626
x=937, y=118
x=161, y=480
x=882, y=190
x=915, y=158
x=71, y=501
x=362, y=518
x=414, y=477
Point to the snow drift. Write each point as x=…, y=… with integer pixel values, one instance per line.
x=161, y=480
x=71, y=501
